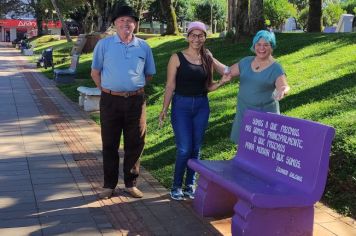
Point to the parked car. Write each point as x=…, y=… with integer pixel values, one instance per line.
x=73, y=28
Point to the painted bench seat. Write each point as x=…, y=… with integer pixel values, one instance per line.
x=270, y=186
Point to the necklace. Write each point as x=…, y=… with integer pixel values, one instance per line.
x=193, y=57
x=260, y=65
x=197, y=58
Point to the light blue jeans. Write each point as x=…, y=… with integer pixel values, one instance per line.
x=189, y=119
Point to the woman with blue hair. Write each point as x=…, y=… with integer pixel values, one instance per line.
x=263, y=81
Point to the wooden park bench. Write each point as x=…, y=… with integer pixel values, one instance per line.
x=67, y=75
x=272, y=183
x=89, y=98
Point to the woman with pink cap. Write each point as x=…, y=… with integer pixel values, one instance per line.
x=189, y=79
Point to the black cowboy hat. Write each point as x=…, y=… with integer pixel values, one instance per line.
x=120, y=11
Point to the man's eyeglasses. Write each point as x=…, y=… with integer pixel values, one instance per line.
x=197, y=36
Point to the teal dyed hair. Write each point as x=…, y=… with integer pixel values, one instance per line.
x=267, y=36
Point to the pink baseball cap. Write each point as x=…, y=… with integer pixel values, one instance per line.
x=196, y=25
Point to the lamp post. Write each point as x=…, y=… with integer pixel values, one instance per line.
x=211, y=15
x=46, y=21
x=215, y=22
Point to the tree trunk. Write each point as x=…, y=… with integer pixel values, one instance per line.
x=232, y=14
x=256, y=16
x=314, y=19
x=138, y=8
x=242, y=19
x=169, y=12
x=39, y=12
x=64, y=26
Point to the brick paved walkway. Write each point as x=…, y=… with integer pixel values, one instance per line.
x=50, y=170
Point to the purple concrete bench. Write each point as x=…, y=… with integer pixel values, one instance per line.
x=271, y=185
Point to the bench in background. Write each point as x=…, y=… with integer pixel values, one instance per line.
x=272, y=183
x=29, y=51
x=89, y=98
x=63, y=76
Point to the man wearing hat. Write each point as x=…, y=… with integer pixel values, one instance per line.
x=122, y=64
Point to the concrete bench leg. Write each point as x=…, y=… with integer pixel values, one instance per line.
x=213, y=200
x=81, y=99
x=249, y=220
x=91, y=103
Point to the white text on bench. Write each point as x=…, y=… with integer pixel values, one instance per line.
x=250, y=146
x=257, y=122
x=276, y=146
x=263, y=151
x=289, y=130
x=248, y=128
x=281, y=170
x=259, y=131
x=296, y=142
x=296, y=177
x=293, y=162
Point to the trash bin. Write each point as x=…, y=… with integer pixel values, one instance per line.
x=47, y=56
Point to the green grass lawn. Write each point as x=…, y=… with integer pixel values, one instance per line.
x=321, y=70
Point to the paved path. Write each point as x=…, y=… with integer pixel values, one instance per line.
x=50, y=171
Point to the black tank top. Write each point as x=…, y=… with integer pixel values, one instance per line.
x=190, y=78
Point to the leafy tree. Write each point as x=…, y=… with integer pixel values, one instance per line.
x=302, y=18
x=207, y=12
x=184, y=10
x=300, y=4
x=331, y=14
x=349, y=6
x=8, y=6
x=277, y=11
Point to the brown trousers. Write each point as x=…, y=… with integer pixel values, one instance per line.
x=125, y=115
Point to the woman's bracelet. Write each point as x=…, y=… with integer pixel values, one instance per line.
x=227, y=70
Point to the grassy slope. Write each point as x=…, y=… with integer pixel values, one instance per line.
x=321, y=70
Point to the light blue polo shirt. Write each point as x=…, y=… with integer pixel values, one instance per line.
x=123, y=67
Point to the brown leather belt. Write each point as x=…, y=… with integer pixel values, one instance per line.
x=124, y=94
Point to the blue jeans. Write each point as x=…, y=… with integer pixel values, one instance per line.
x=189, y=119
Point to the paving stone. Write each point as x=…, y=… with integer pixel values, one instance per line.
x=55, y=194
x=67, y=218
x=15, y=207
x=18, y=214
x=85, y=229
x=33, y=230
x=61, y=204
x=339, y=228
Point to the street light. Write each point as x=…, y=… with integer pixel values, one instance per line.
x=46, y=21
x=47, y=18
x=215, y=22
x=211, y=15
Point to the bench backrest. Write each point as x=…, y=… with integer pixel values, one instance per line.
x=74, y=62
x=286, y=150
